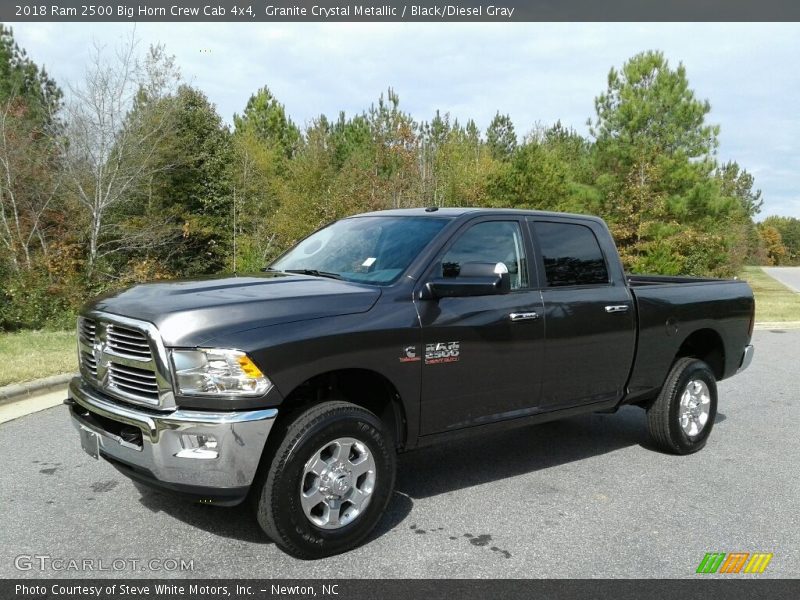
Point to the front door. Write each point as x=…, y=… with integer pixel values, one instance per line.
x=481, y=356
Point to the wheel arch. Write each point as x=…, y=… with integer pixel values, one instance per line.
x=366, y=388
x=707, y=345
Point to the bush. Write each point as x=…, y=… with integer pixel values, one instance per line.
x=30, y=300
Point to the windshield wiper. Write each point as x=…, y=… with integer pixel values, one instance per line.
x=314, y=272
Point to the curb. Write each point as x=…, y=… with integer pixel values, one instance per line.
x=777, y=325
x=21, y=391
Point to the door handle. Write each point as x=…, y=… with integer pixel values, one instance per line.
x=525, y=316
x=617, y=308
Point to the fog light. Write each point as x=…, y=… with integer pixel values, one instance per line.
x=198, y=445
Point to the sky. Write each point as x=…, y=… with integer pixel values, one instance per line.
x=535, y=72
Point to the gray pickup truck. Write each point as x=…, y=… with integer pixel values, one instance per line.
x=385, y=332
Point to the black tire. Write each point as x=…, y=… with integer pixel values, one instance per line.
x=279, y=510
x=663, y=420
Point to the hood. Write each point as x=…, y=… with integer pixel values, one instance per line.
x=189, y=313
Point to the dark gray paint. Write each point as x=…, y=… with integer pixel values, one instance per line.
x=577, y=358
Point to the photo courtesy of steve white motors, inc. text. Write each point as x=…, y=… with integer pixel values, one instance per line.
x=134, y=590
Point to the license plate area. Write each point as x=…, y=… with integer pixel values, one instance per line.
x=90, y=442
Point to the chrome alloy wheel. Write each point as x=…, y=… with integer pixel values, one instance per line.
x=338, y=481
x=695, y=407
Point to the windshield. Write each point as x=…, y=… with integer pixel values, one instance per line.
x=363, y=249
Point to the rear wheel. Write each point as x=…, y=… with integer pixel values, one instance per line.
x=681, y=418
x=329, y=481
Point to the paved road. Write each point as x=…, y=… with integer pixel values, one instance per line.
x=788, y=276
x=578, y=498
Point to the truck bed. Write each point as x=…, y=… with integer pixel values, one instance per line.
x=635, y=281
x=669, y=309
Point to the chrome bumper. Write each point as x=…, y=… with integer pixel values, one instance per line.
x=162, y=455
x=747, y=358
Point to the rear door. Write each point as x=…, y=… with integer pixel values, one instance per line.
x=481, y=356
x=588, y=312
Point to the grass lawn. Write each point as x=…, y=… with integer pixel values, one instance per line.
x=774, y=301
x=29, y=355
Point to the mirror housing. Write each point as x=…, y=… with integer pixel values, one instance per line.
x=474, y=279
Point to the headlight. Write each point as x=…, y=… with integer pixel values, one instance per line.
x=213, y=371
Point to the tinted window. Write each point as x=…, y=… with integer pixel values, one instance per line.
x=571, y=255
x=364, y=249
x=490, y=241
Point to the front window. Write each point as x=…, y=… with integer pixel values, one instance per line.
x=362, y=249
x=489, y=242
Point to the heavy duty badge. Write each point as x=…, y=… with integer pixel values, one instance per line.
x=442, y=352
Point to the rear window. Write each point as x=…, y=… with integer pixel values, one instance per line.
x=571, y=255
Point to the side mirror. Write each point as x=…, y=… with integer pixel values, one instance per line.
x=473, y=279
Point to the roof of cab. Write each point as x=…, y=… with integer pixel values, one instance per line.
x=452, y=213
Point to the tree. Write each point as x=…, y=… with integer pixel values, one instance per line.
x=534, y=178
x=501, y=138
x=737, y=183
x=190, y=194
x=118, y=119
x=266, y=118
x=652, y=137
x=772, y=243
x=29, y=173
x=395, y=139
x=788, y=228
x=649, y=112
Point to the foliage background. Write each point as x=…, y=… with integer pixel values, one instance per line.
x=132, y=175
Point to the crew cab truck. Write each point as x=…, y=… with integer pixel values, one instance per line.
x=385, y=332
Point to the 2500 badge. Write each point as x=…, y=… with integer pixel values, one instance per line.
x=442, y=352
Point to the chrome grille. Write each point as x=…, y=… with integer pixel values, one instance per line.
x=125, y=358
x=133, y=381
x=128, y=342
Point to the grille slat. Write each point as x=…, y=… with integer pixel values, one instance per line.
x=130, y=389
x=90, y=363
x=126, y=339
x=87, y=330
x=124, y=331
x=125, y=349
x=134, y=389
x=147, y=386
x=133, y=372
x=137, y=380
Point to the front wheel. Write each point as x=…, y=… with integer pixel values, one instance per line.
x=682, y=416
x=329, y=481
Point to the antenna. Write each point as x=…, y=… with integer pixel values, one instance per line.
x=234, y=230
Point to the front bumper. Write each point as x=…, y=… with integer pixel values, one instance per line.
x=151, y=447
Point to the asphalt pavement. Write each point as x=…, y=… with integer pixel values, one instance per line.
x=583, y=497
x=788, y=276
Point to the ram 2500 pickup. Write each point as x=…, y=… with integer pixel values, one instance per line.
x=382, y=333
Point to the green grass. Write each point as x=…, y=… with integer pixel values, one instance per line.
x=774, y=301
x=29, y=355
